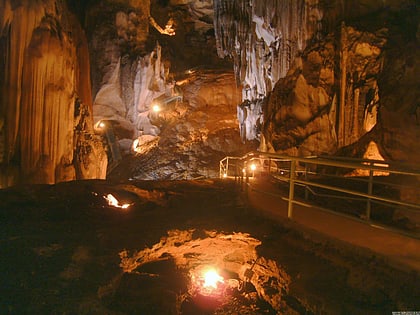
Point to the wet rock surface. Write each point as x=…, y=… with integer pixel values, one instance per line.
x=64, y=250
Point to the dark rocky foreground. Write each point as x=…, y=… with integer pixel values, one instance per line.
x=64, y=250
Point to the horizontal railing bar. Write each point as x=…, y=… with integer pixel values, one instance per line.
x=308, y=205
x=360, y=194
x=332, y=162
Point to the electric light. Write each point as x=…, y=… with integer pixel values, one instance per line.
x=101, y=125
x=253, y=167
x=211, y=279
x=135, y=144
x=224, y=175
x=112, y=201
x=156, y=108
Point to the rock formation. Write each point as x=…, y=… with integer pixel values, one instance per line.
x=315, y=77
x=196, y=124
x=322, y=76
x=46, y=111
x=195, y=132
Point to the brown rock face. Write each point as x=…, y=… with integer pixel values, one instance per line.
x=312, y=111
x=194, y=133
x=399, y=93
x=314, y=77
x=43, y=76
x=325, y=72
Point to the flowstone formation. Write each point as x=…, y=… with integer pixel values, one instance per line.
x=45, y=103
x=262, y=38
x=320, y=78
x=305, y=108
x=195, y=133
x=152, y=91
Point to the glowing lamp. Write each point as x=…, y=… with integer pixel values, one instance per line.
x=211, y=279
x=135, y=145
x=156, y=108
x=112, y=201
x=253, y=167
x=224, y=175
x=100, y=125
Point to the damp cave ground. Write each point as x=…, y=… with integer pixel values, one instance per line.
x=61, y=244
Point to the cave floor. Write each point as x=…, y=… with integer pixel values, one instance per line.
x=61, y=253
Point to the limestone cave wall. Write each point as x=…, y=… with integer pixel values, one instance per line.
x=320, y=77
x=316, y=77
x=45, y=102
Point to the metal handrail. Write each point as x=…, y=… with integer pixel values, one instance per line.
x=297, y=169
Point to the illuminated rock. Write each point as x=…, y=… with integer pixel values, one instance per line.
x=43, y=81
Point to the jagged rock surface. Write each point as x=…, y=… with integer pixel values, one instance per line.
x=43, y=77
x=279, y=47
x=195, y=133
x=303, y=110
x=325, y=79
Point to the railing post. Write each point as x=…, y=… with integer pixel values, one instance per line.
x=306, y=180
x=227, y=167
x=370, y=190
x=291, y=188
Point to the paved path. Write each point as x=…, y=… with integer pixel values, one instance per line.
x=399, y=250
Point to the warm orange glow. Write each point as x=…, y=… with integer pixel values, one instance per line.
x=112, y=201
x=135, y=144
x=211, y=279
x=156, y=108
x=224, y=175
x=253, y=167
x=100, y=125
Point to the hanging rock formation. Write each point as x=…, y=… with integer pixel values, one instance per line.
x=313, y=75
x=305, y=108
x=195, y=133
x=262, y=38
x=196, y=124
x=46, y=112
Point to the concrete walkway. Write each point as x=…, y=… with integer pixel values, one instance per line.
x=401, y=251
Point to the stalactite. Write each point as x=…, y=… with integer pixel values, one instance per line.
x=17, y=36
x=355, y=132
x=359, y=67
x=262, y=38
x=44, y=55
x=343, y=86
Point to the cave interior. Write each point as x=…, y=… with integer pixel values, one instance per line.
x=116, y=115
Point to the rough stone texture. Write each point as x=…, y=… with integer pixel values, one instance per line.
x=322, y=75
x=62, y=244
x=303, y=115
x=42, y=77
x=358, y=35
x=195, y=132
x=232, y=254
